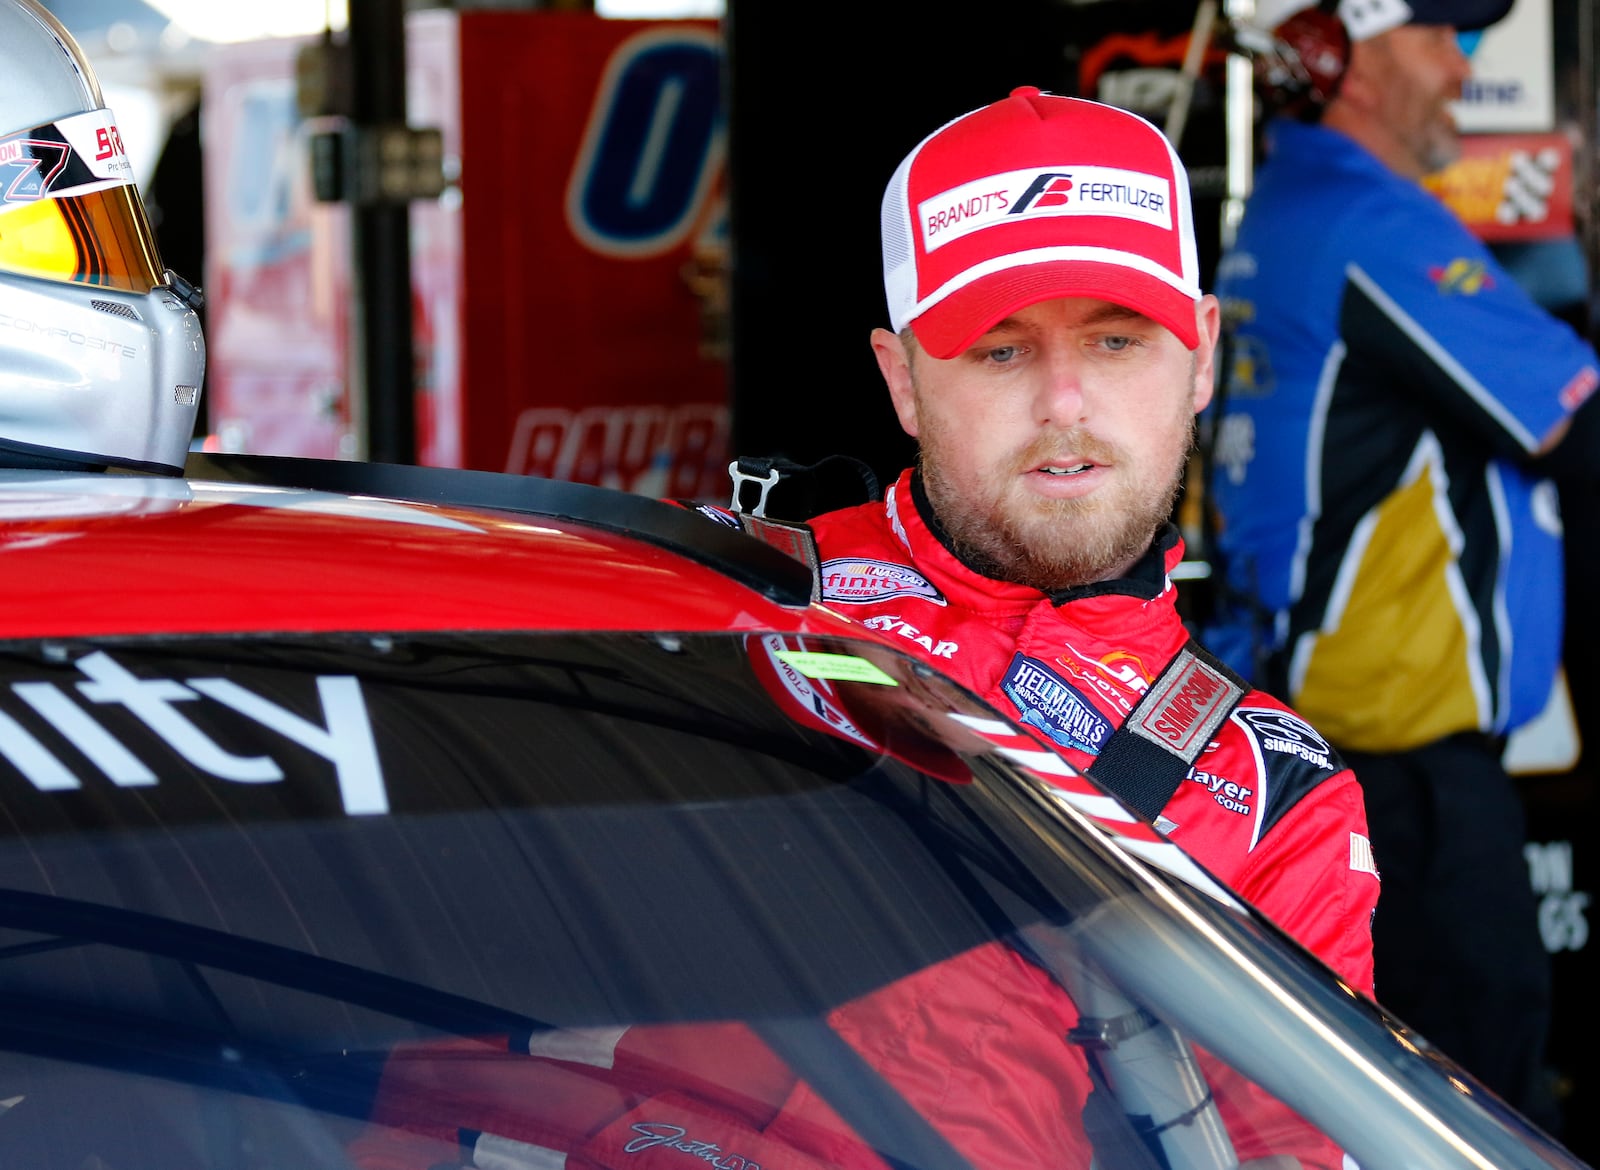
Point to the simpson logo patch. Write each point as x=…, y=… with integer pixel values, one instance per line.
x=856, y=581
x=1185, y=706
x=1289, y=735
x=1057, y=190
x=1047, y=701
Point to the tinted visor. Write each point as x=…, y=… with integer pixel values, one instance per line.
x=69, y=209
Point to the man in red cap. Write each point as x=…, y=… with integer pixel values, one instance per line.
x=1051, y=348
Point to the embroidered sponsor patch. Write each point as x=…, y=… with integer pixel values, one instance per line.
x=1127, y=668
x=858, y=580
x=1231, y=796
x=1112, y=677
x=1361, y=859
x=1289, y=735
x=895, y=624
x=1040, y=191
x=1577, y=391
x=669, y=1131
x=1461, y=277
x=1185, y=706
x=1047, y=701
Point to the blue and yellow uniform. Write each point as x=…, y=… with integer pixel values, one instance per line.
x=1389, y=542
x=1391, y=552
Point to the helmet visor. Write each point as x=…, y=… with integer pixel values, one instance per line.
x=69, y=209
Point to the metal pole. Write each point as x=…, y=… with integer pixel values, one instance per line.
x=1239, y=116
x=1205, y=16
x=1585, y=174
x=383, y=382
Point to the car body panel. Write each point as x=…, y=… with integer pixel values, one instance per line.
x=471, y=822
x=210, y=557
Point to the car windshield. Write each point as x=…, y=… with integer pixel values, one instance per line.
x=629, y=901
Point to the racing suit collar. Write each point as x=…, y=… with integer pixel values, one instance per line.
x=1147, y=579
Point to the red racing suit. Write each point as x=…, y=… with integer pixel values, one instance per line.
x=1268, y=808
x=977, y=1044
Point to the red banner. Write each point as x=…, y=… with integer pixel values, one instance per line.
x=569, y=291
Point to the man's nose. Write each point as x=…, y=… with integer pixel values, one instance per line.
x=1460, y=63
x=1060, y=400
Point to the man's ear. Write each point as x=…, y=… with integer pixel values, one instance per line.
x=1208, y=318
x=894, y=363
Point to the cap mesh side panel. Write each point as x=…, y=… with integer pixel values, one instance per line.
x=896, y=240
x=899, y=259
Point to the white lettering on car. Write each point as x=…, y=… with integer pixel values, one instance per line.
x=151, y=701
x=119, y=764
x=345, y=740
x=32, y=758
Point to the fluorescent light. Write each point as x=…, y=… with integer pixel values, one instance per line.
x=660, y=9
x=226, y=22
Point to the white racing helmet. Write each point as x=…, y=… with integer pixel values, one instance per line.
x=101, y=352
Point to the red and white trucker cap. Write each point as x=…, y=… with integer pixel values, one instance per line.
x=1032, y=198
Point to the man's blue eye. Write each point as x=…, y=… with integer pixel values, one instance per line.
x=1003, y=353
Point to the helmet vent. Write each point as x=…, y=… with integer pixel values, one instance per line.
x=116, y=308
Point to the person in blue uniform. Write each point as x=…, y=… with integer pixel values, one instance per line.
x=1393, y=411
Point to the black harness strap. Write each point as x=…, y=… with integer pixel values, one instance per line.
x=791, y=537
x=796, y=540
x=1146, y=758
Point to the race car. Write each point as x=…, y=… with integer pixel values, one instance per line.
x=393, y=818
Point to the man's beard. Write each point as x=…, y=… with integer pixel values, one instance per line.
x=1051, y=544
x=1438, y=145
